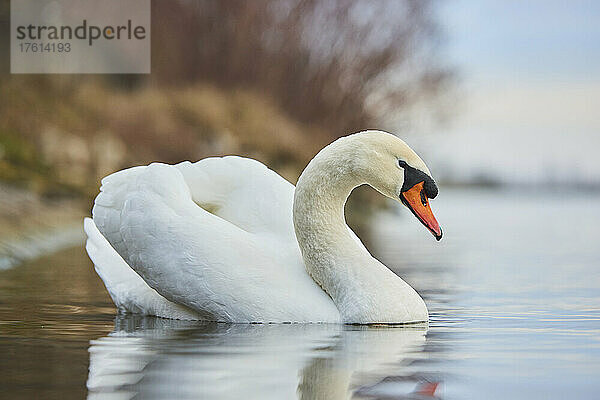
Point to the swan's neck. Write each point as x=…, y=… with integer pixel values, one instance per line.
x=363, y=289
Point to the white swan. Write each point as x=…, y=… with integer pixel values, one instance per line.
x=227, y=239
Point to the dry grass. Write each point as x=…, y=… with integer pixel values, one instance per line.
x=60, y=140
x=75, y=134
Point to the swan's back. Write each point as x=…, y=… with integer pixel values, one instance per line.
x=242, y=191
x=216, y=236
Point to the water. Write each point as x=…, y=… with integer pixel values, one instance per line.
x=513, y=291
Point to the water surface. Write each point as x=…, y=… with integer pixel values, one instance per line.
x=513, y=291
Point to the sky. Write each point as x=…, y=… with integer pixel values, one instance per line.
x=528, y=92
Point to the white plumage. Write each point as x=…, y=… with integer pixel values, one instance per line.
x=240, y=262
x=215, y=240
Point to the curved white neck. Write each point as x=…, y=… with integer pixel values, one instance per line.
x=363, y=289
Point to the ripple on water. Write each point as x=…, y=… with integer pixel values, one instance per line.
x=513, y=306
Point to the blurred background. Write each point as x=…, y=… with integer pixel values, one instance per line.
x=500, y=98
x=275, y=81
x=489, y=93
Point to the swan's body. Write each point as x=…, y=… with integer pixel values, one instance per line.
x=227, y=239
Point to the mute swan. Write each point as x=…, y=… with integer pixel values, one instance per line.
x=227, y=239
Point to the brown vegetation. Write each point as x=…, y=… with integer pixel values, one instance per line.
x=274, y=81
x=340, y=64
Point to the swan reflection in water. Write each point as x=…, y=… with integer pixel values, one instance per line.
x=151, y=357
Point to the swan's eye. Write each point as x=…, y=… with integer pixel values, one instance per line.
x=402, y=164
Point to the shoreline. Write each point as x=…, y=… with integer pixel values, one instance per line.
x=29, y=246
x=32, y=226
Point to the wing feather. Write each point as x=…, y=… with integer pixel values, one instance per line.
x=215, y=236
x=127, y=289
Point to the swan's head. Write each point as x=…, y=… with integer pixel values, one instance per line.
x=396, y=171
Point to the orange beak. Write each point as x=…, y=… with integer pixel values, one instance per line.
x=416, y=200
